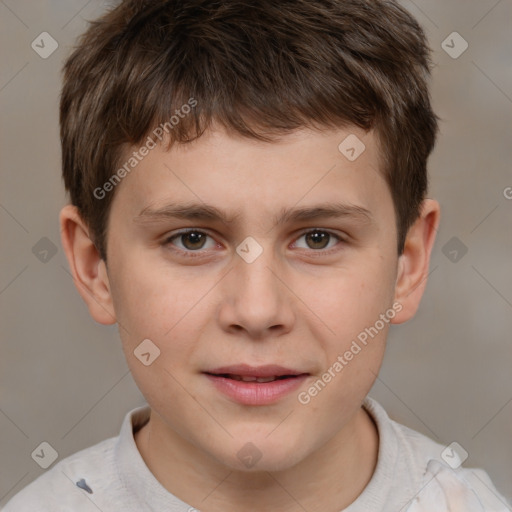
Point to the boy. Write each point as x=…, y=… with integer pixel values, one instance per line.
x=248, y=203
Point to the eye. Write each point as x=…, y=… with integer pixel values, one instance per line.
x=192, y=240
x=318, y=239
x=195, y=241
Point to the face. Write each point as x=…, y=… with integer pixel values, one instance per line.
x=260, y=285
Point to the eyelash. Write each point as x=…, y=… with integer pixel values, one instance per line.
x=200, y=253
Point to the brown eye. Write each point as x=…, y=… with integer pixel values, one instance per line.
x=319, y=240
x=193, y=240
x=189, y=241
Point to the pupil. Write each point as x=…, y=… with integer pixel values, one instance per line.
x=318, y=237
x=195, y=238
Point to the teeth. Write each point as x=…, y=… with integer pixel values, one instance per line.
x=265, y=379
x=252, y=379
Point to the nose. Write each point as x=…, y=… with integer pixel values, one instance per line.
x=255, y=297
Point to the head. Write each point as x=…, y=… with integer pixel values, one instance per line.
x=234, y=115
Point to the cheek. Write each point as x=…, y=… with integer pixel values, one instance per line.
x=164, y=310
x=352, y=308
x=168, y=309
x=352, y=298
x=153, y=301
x=353, y=355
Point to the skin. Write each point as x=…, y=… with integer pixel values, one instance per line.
x=299, y=306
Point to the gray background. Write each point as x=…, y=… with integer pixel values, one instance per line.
x=446, y=373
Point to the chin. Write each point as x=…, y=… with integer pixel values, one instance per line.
x=259, y=456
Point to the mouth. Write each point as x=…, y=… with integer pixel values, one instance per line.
x=248, y=373
x=261, y=385
x=248, y=378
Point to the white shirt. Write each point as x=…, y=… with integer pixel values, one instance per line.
x=411, y=476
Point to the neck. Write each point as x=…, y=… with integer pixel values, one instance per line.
x=329, y=479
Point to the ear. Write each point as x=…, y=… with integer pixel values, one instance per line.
x=413, y=263
x=87, y=268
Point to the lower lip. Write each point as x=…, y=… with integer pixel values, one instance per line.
x=256, y=393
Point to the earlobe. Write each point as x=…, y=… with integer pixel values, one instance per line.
x=87, y=268
x=413, y=264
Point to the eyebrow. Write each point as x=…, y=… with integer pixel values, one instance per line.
x=205, y=212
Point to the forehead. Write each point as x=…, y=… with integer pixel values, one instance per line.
x=232, y=178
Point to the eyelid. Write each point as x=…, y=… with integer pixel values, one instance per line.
x=322, y=252
x=187, y=254
x=200, y=252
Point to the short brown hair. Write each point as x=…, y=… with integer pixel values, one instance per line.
x=260, y=68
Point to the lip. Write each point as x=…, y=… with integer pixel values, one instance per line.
x=255, y=393
x=245, y=370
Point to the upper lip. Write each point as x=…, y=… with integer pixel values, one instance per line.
x=245, y=370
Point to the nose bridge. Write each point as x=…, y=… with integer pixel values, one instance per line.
x=256, y=269
x=255, y=296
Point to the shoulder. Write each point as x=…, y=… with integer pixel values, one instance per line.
x=443, y=484
x=57, y=489
x=424, y=475
x=457, y=490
